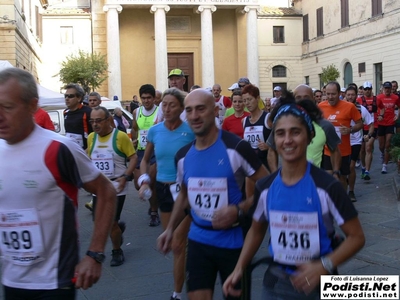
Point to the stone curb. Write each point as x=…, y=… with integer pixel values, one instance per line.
x=396, y=186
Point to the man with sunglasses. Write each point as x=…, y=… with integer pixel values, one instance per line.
x=110, y=149
x=367, y=147
x=77, y=115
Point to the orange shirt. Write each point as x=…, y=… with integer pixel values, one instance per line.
x=340, y=114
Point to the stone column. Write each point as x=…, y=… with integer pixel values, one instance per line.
x=160, y=32
x=207, y=45
x=113, y=50
x=252, y=44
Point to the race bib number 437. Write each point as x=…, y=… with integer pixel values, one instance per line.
x=207, y=195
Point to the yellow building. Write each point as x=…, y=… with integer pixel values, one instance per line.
x=212, y=41
x=21, y=34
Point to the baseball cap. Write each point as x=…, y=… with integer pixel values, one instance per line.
x=245, y=80
x=233, y=86
x=85, y=100
x=277, y=88
x=367, y=85
x=176, y=72
x=387, y=84
x=343, y=90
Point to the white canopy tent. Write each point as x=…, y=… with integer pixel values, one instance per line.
x=46, y=97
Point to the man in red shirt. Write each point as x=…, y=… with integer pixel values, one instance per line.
x=221, y=101
x=42, y=118
x=367, y=148
x=386, y=120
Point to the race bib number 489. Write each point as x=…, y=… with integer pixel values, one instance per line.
x=21, y=237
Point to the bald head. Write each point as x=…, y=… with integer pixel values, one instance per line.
x=201, y=111
x=216, y=90
x=157, y=99
x=200, y=95
x=303, y=91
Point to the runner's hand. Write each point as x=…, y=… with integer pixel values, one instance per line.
x=307, y=276
x=225, y=217
x=87, y=273
x=229, y=285
x=164, y=241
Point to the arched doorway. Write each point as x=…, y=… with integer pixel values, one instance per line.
x=348, y=74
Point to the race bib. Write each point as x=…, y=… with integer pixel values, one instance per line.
x=143, y=138
x=294, y=236
x=21, y=237
x=104, y=162
x=175, y=189
x=77, y=138
x=254, y=135
x=207, y=195
x=337, y=129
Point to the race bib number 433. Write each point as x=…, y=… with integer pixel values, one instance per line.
x=207, y=195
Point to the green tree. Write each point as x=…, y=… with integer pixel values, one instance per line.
x=330, y=73
x=87, y=69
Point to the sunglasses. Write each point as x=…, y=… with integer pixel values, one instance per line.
x=242, y=86
x=367, y=89
x=69, y=96
x=93, y=121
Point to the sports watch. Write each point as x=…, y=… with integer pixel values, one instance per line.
x=97, y=256
x=327, y=264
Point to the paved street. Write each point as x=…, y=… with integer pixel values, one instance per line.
x=146, y=274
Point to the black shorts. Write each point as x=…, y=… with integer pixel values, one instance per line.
x=384, y=130
x=120, y=206
x=374, y=134
x=355, y=151
x=344, y=167
x=66, y=293
x=203, y=262
x=140, y=154
x=164, y=197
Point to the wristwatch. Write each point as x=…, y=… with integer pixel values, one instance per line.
x=240, y=214
x=337, y=172
x=327, y=264
x=127, y=177
x=97, y=256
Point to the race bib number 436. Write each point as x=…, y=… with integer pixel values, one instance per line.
x=294, y=236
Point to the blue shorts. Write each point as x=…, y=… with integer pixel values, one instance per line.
x=140, y=154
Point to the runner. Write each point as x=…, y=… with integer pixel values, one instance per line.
x=298, y=196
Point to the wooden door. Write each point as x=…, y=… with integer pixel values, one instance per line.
x=183, y=61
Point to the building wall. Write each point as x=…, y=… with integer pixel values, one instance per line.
x=99, y=35
x=58, y=44
x=272, y=54
x=368, y=39
x=18, y=41
x=138, y=47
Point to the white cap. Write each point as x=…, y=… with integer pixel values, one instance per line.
x=277, y=88
x=343, y=90
x=233, y=86
x=367, y=85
